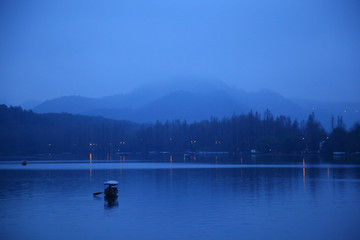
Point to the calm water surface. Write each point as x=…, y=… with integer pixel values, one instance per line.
x=181, y=200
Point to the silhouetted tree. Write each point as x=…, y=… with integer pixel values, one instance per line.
x=24, y=132
x=314, y=133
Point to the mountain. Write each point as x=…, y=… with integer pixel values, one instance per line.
x=30, y=104
x=191, y=106
x=68, y=104
x=195, y=100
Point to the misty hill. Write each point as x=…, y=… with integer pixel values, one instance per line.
x=68, y=104
x=195, y=100
x=30, y=104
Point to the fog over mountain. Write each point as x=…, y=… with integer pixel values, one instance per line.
x=195, y=100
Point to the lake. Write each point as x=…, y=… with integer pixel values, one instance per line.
x=182, y=198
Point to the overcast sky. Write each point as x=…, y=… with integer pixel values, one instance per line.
x=308, y=49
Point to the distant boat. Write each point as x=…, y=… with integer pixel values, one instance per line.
x=23, y=163
x=111, y=189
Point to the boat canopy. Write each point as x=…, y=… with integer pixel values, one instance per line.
x=111, y=183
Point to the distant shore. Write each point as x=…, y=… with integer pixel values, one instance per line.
x=166, y=155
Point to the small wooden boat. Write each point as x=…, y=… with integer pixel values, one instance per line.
x=24, y=163
x=111, y=190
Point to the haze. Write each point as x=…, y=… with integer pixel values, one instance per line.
x=300, y=49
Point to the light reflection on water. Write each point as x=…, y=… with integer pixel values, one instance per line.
x=172, y=200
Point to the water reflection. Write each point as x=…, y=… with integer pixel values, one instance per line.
x=110, y=203
x=304, y=175
x=304, y=178
x=195, y=203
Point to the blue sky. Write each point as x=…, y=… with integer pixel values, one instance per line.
x=303, y=49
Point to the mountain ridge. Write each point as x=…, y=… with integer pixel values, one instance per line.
x=195, y=101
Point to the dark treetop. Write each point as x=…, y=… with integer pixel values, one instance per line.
x=24, y=132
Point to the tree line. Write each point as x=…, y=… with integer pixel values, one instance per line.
x=24, y=132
